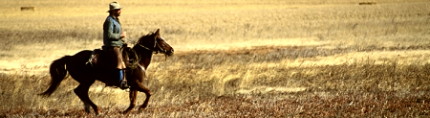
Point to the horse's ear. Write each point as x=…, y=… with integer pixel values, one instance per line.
x=157, y=32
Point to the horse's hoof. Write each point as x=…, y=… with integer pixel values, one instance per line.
x=98, y=112
x=126, y=112
x=141, y=109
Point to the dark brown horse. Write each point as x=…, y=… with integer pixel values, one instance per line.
x=77, y=66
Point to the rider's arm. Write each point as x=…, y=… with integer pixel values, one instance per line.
x=112, y=32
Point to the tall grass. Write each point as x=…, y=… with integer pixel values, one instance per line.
x=233, y=57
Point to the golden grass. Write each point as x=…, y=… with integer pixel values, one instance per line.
x=234, y=58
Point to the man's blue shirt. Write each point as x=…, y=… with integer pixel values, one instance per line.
x=112, y=32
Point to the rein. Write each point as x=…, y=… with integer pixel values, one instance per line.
x=144, y=47
x=153, y=50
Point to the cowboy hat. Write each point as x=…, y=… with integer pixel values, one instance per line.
x=114, y=6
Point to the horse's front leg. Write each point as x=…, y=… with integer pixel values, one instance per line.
x=132, y=96
x=138, y=86
x=145, y=103
x=136, y=80
x=145, y=90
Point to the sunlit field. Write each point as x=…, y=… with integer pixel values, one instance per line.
x=233, y=58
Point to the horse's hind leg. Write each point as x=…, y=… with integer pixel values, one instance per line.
x=133, y=94
x=82, y=92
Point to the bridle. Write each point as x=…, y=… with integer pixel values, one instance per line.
x=153, y=49
x=144, y=47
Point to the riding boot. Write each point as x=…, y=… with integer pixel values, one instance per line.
x=122, y=83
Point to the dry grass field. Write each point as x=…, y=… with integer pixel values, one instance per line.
x=233, y=58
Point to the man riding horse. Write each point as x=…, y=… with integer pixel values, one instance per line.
x=113, y=42
x=107, y=65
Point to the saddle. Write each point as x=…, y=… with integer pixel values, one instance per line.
x=103, y=59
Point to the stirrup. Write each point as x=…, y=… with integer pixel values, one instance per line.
x=123, y=85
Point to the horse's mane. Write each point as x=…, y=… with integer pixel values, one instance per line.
x=145, y=37
x=134, y=59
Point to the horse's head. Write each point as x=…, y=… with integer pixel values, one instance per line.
x=154, y=42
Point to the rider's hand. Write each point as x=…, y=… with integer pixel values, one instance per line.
x=123, y=35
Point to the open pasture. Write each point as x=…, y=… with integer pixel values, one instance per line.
x=233, y=58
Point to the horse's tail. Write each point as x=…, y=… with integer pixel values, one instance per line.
x=58, y=72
